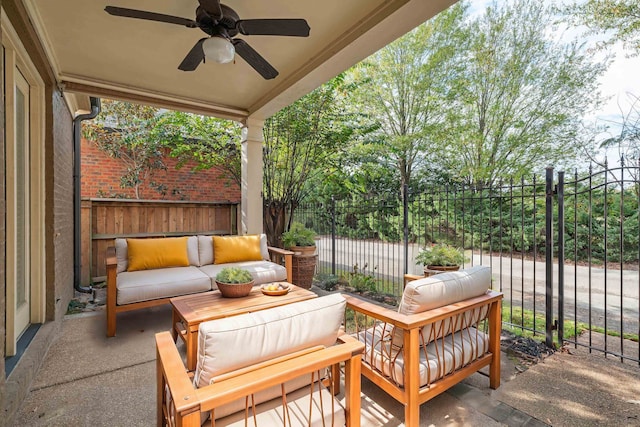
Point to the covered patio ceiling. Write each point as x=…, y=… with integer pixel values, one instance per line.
x=95, y=54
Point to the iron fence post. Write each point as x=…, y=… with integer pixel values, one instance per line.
x=560, y=257
x=333, y=235
x=405, y=203
x=549, y=257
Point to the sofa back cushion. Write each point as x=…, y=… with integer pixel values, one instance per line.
x=228, y=249
x=148, y=254
x=232, y=343
x=443, y=289
x=122, y=253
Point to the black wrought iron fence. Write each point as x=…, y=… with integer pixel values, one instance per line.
x=553, y=247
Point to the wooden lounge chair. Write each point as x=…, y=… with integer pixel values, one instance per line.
x=272, y=367
x=446, y=328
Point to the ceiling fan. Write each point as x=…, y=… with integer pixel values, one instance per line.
x=222, y=23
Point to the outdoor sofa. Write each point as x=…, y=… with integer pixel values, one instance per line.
x=148, y=272
x=264, y=368
x=446, y=328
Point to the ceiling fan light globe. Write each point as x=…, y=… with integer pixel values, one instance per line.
x=218, y=49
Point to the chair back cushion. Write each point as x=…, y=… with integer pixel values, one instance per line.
x=444, y=289
x=236, y=342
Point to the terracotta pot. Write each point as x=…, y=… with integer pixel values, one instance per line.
x=303, y=250
x=430, y=270
x=235, y=290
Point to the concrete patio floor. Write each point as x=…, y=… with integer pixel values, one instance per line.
x=90, y=380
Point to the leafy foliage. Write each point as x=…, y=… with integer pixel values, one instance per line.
x=234, y=275
x=123, y=131
x=620, y=19
x=298, y=235
x=301, y=142
x=440, y=254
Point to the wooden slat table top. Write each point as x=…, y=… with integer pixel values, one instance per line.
x=211, y=305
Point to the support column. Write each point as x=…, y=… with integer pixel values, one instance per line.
x=251, y=199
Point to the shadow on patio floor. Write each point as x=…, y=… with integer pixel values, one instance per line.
x=90, y=380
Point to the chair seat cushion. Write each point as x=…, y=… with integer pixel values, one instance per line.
x=442, y=356
x=271, y=413
x=145, y=285
x=261, y=271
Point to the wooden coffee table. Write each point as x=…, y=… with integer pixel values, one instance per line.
x=191, y=310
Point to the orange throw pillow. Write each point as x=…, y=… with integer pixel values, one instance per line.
x=236, y=249
x=148, y=254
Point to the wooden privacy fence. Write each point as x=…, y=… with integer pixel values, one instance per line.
x=103, y=220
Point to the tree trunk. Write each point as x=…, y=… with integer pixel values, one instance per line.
x=274, y=221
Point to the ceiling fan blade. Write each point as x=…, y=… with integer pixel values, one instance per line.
x=150, y=16
x=273, y=27
x=212, y=7
x=193, y=58
x=254, y=59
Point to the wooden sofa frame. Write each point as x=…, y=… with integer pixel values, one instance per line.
x=276, y=254
x=411, y=395
x=188, y=402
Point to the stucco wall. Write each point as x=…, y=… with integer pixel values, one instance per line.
x=101, y=178
x=3, y=254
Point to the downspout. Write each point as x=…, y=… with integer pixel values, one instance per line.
x=77, y=191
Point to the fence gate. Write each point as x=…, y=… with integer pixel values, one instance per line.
x=598, y=219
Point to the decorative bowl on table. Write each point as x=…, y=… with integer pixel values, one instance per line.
x=275, y=289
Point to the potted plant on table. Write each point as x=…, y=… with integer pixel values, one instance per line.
x=234, y=282
x=440, y=257
x=301, y=241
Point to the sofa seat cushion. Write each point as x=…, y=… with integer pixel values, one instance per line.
x=232, y=343
x=261, y=271
x=271, y=413
x=145, y=285
x=442, y=356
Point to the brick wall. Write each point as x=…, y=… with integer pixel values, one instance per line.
x=59, y=216
x=101, y=178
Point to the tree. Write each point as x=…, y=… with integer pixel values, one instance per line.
x=518, y=102
x=619, y=19
x=122, y=130
x=301, y=141
x=404, y=92
x=207, y=141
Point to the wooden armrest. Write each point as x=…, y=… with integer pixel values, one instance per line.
x=111, y=257
x=420, y=319
x=410, y=278
x=176, y=375
x=279, y=251
x=288, y=260
x=237, y=386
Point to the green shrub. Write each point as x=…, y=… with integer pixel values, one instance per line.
x=298, y=235
x=440, y=254
x=234, y=275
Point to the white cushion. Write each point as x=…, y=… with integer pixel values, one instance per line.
x=299, y=402
x=122, y=255
x=264, y=251
x=439, y=360
x=232, y=343
x=192, y=251
x=145, y=285
x=205, y=250
x=444, y=289
x=261, y=271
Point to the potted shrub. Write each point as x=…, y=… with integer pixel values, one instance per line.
x=234, y=282
x=301, y=241
x=441, y=257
